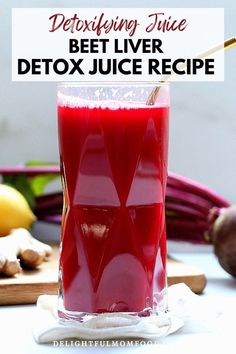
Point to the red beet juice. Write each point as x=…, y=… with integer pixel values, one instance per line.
x=113, y=240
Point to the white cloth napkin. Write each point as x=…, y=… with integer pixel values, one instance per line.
x=183, y=307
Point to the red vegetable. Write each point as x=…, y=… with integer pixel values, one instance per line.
x=223, y=235
x=188, y=205
x=30, y=171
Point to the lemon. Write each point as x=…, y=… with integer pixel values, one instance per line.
x=14, y=210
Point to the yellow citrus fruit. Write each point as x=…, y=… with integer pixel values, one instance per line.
x=14, y=210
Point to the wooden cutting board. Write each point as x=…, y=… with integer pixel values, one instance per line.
x=28, y=285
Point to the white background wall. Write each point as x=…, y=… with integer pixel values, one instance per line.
x=203, y=117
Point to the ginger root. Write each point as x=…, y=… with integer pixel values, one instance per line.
x=18, y=246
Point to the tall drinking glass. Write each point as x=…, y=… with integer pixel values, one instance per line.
x=113, y=150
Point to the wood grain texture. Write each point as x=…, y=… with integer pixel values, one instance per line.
x=28, y=285
x=180, y=272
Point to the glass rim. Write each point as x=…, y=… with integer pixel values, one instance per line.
x=113, y=84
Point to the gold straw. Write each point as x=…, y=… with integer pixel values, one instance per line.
x=229, y=43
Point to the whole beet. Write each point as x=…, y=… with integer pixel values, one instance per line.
x=223, y=237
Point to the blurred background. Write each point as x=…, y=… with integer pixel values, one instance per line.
x=203, y=115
